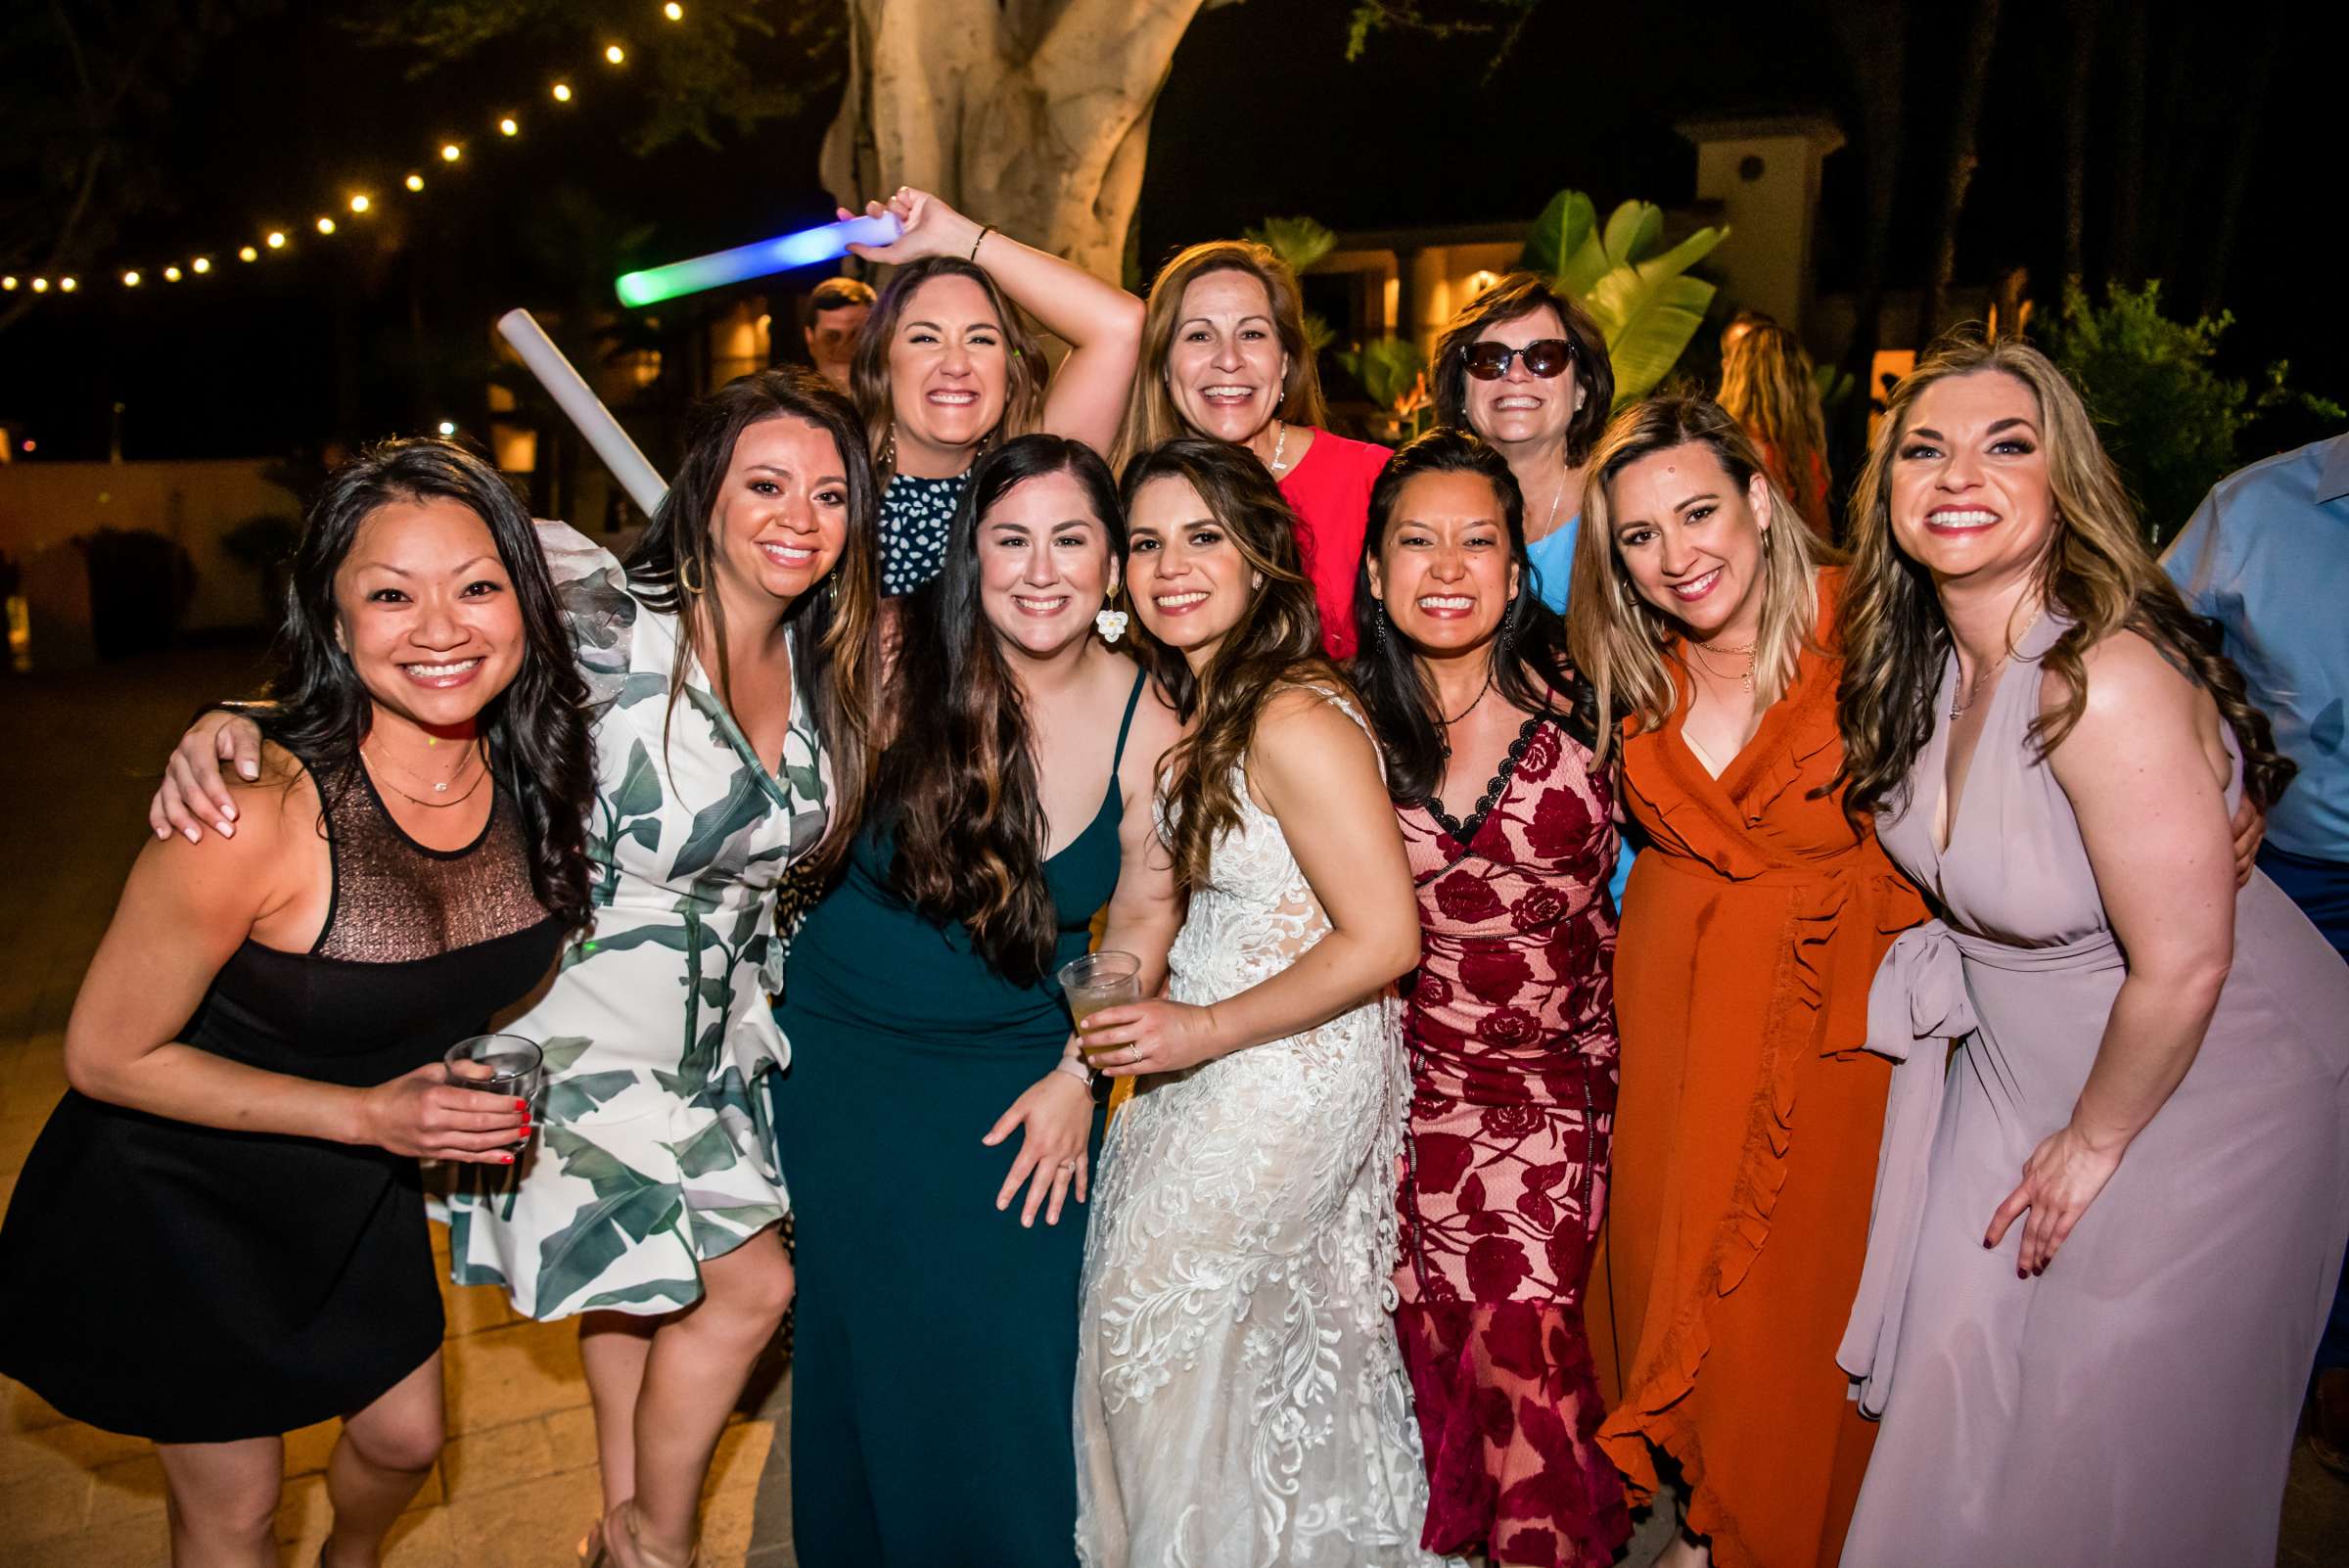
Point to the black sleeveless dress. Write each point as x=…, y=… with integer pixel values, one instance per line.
x=189, y=1284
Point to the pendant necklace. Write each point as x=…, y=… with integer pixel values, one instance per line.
x=438, y=789
x=1746, y=679
x=1444, y=725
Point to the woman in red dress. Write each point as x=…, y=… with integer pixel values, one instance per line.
x=1510, y=1018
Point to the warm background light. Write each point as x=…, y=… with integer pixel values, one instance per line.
x=360, y=203
x=509, y=127
x=326, y=225
x=450, y=152
x=674, y=11
x=130, y=279
x=170, y=274
x=447, y=427
x=41, y=285
x=246, y=252
x=9, y=282
x=415, y=182
x=614, y=54
x=277, y=240
x=69, y=284
x=202, y=264
x=561, y=92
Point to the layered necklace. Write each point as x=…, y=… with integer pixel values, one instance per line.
x=440, y=798
x=1744, y=677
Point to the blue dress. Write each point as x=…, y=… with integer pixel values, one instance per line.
x=935, y=1355
x=1553, y=558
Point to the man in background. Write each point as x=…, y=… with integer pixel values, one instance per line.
x=836, y=312
x=2267, y=557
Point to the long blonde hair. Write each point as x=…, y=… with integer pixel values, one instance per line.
x=1151, y=417
x=1628, y=648
x=2096, y=573
x=1766, y=385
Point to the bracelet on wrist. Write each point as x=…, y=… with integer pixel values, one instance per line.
x=985, y=229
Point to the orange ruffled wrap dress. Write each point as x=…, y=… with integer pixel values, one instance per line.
x=1746, y=1132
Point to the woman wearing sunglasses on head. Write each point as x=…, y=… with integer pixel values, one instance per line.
x=1224, y=356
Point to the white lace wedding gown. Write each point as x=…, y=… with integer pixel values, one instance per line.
x=1241, y=1399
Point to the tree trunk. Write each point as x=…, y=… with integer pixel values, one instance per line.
x=1962, y=138
x=1030, y=115
x=2075, y=140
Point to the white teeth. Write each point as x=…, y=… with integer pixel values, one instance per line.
x=1696, y=589
x=1227, y=391
x=440, y=671
x=1180, y=601
x=1452, y=602
x=1963, y=520
x=788, y=555
x=1518, y=402
x=1039, y=606
x=953, y=398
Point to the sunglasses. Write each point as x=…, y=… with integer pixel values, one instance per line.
x=1488, y=360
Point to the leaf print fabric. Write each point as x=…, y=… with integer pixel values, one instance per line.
x=653, y=1154
x=1510, y=1023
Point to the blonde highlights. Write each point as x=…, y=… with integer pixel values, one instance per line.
x=1767, y=387
x=1628, y=648
x=1151, y=417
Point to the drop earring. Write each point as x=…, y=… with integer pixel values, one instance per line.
x=1110, y=621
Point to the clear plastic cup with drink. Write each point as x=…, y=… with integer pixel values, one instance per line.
x=1098, y=980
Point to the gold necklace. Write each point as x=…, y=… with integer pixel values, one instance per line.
x=473, y=752
x=1957, y=692
x=1746, y=677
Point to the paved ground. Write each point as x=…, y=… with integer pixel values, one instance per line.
x=517, y=1485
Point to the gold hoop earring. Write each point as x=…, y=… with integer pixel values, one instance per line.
x=684, y=578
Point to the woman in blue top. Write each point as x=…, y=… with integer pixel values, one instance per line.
x=1527, y=369
x=936, y=1349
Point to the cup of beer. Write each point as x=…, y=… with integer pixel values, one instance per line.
x=1098, y=980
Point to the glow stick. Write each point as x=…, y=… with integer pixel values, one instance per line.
x=637, y=476
x=781, y=254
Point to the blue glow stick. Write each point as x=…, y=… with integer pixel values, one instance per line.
x=781, y=254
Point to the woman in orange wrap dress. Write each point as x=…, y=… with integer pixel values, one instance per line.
x=1746, y=1131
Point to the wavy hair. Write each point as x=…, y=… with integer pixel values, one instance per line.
x=1024, y=369
x=2096, y=573
x=835, y=626
x=1766, y=385
x=956, y=783
x=1521, y=294
x=1276, y=642
x=1151, y=417
x=1531, y=667
x=1628, y=648
x=535, y=731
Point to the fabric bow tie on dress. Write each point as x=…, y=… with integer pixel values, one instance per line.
x=1917, y=1005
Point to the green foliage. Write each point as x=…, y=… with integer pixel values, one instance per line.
x=2169, y=419
x=1505, y=19
x=1394, y=372
x=1835, y=384
x=1301, y=242
x=1644, y=299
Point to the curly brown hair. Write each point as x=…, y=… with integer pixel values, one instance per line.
x=2097, y=571
x=1276, y=644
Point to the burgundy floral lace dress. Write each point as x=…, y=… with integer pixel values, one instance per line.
x=1510, y=1024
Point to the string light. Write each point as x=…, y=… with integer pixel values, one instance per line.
x=170, y=274
x=68, y=283
x=277, y=239
x=450, y=152
x=360, y=203
x=202, y=264
x=41, y=285
x=9, y=282
x=448, y=427
x=326, y=225
x=561, y=92
x=415, y=182
x=130, y=279
x=616, y=53
x=246, y=252
x=509, y=126
x=674, y=11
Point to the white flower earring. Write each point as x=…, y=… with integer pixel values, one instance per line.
x=1109, y=620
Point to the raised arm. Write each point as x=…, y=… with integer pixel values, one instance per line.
x=1100, y=322
x=2143, y=772
x=1316, y=773
x=182, y=914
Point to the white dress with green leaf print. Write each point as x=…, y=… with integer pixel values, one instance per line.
x=653, y=1151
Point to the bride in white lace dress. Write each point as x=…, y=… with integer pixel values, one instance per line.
x=1241, y=1399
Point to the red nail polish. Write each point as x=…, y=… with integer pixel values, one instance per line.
x=506, y=1158
x=522, y=1105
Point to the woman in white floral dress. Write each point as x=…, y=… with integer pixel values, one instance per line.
x=649, y=1203
x=1240, y=1397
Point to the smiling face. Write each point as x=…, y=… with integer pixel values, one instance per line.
x=1189, y=581
x=1522, y=409
x=426, y=610
x=781, y=515
x=1442, y=568
x=1691, y=539
x=1970, y=491
x=1226, y=367
x=1045, y=564
x=949, y=368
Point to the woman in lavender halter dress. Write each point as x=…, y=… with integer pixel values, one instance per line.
x=2115, y=1376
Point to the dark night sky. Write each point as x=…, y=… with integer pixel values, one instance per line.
x=1260, y=116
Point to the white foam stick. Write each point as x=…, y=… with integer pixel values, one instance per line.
x=637, y=476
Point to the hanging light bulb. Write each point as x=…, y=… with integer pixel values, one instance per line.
x=201, y=266
x=450, y=152
x=9, y=282
x=246, y=252
x=448, y=427
x=326, y=225
x=277, y=239
x=41, y=285
x=69, y=284
x=509, y=126
x=172, y=274
x=414, y=182
x=674, y=11
x=130, y=279
x=561, y=91
x=616, y=53
x=360, y=203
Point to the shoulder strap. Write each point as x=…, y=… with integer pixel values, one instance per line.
x=1133, y=700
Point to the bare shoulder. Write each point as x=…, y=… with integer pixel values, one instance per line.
x=1301, y=732
x=2130, y=681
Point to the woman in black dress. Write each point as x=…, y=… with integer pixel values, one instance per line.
x=219, y=1236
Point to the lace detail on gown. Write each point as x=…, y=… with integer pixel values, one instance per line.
x=1240, y=1397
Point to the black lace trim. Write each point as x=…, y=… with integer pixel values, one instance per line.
x=1464, y=833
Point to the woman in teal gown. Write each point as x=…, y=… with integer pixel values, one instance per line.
x=932, y=1076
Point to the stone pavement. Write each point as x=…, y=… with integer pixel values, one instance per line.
x=517, y=1485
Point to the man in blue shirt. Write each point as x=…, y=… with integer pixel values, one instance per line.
x=2267, y=557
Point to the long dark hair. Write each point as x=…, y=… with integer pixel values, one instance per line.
x=834, y=626
x=956, y=784
x=1276, y=642
x=1531, y=668
x=2096, y=573
x=535, y=731
x=1521, y=294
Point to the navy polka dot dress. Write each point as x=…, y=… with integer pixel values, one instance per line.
x=916, y=515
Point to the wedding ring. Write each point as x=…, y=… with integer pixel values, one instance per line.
x=1068, y=1165
x=1133, y=1053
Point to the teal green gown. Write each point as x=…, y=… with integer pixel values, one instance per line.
x=933, y=1360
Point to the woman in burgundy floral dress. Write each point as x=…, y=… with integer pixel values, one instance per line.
x=1510, y=1018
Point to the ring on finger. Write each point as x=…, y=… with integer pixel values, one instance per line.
x=1133, y=1053
x=1068, y=1166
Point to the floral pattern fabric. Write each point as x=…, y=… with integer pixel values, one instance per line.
x=1511, y=1022
x=653, y=1154
x=1239, y=1396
